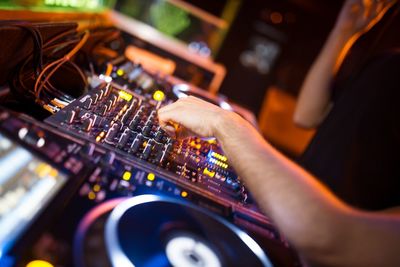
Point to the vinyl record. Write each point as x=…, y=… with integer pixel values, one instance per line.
x=150, y=230
x=89, y=248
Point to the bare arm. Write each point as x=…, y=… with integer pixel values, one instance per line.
x=324, y=229
x=356, y=18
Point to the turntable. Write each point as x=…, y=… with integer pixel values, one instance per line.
x=150, y=230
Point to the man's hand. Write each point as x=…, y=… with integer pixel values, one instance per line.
x=197, y=117
x=359, y=16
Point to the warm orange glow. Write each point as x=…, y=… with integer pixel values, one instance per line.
x=149, y=60
x=276, y=17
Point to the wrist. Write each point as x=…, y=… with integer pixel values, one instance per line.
x=344, y=33
x=226, y=124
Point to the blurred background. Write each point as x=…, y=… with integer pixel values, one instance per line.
x=255, y=53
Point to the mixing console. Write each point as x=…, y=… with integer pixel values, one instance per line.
x=106, y=186
x=126, y=123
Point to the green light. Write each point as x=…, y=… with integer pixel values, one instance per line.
x=168, y=18
x=57, y=5
x=89, y=4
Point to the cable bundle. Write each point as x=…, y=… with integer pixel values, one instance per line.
x=53, y=75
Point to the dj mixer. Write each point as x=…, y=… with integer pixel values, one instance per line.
x=101, y=184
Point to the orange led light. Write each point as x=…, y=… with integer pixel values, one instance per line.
x=91, y=195
x=96, y=188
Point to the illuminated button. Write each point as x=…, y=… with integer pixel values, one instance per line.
x=127, y=176
x=184, y=194
x=39, y=263
x=158, y=95
x=125, y=96
x=120, y=72
x=209, y=173
x=151, y=176
x=53, y=173
x=96, y=188
x=91, y=195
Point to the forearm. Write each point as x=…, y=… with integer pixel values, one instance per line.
x=277, y=184
x=315, y=94
x=313, y=219
x=310, y=216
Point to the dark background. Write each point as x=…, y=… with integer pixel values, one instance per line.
x=300, y=35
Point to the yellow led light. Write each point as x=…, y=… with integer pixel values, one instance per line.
x=127, y=176
x=120, y=72
x=96, y=188
x=209, y=173
x=184, y=194
x=39, y=263
x=151, y=176
x=91, y=195
x=43, y=170
x=125, y=96
x=158, y=95
x=98, y=138
x=53, y=173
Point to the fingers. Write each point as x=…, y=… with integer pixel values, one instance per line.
x=170, y=119
x=193, y=115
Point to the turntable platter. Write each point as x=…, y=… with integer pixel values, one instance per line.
x=150, y=230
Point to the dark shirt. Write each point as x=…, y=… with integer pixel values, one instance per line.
x=355, y=151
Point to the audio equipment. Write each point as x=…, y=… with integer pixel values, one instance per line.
x=99, y=183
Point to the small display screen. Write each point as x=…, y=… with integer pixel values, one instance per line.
x=27, y=184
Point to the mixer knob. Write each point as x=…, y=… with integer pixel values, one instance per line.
x=88, y=103
x=147, y=150
x=124, y=138
x=87, y=124
x=103, y=110
x=137, y=143
x=126, y=116
x=70, y=116
x=152, y=113
x=133, y=104
x=146, y=130
x=149, y=123
x=107, y=90
x=159, y=156
x=112, y=132
x=101, y=94
x=159, y=135
x=77, y=110
x=134, y=123
x=114, y=99
x=95, y=98
x=109, y=104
